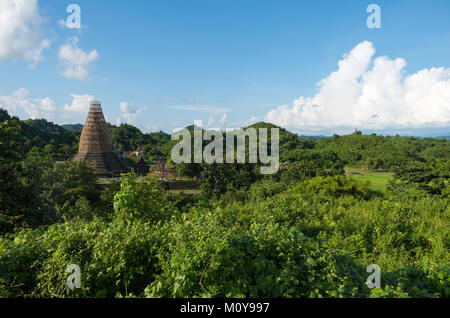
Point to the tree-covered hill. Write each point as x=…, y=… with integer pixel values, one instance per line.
x=306, y=231
x=379, y=152
x=60, y=142
x=366, y=151
x=43, y=137
x=127, y=138
x=73, y=127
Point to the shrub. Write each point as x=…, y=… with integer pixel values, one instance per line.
x=336, y=186
x=222, y=254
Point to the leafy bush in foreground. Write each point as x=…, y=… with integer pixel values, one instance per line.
x=301, y=242
x=221, y=255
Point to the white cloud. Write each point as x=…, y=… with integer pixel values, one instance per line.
x=220, y=123
x=223, y=120
x=62, y=23
x=76, y=61
x=129, y=113
x=371, y=94
x=127, y=108
x=21, y=34
x=45, y=108
x=22, y=104
x=80, y=103
x=252, y=120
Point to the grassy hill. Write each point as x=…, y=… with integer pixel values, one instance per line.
x=73, y=127
x=378, y=180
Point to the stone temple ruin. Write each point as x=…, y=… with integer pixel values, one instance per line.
x=96, y=145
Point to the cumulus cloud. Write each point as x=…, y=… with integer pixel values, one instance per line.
x=21, y=34
x=129, y=113
x=371, y=94
x=219, y=122
x=127, y=108
x=22, y=104
x=80, y=103
x=223, y=119
x=76, y=61
x=252, y=120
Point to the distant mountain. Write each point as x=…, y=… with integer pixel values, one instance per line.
x=73, y=127
x=312, y=138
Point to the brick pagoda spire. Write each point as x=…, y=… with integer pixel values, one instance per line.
x=96, y=144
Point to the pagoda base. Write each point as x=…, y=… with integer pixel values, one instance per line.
x=106, y=165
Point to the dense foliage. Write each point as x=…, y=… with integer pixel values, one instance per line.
x=128, y=138
x=378, y=152
x=307, y=231
x=295, y=243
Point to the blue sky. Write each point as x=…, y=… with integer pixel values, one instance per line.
x=231, y=63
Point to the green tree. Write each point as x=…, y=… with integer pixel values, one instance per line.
x=127, y=137
x=142, y=201
x=14, y=199
x=63, y=185
x=431, y=176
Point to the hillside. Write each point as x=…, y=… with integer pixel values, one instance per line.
x=308, y=230
x=73, y=127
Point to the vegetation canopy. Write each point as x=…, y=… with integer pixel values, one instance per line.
x=335, y=206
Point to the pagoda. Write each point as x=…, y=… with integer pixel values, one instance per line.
x=96, y=145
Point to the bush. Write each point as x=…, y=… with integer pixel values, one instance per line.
x=142, y=201
x=266, y=188
x=313, y=240
x=336, y=186
x=115, y=259
x=221, y=255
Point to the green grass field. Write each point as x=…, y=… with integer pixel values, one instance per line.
x=378, y=179
x=187, y=191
